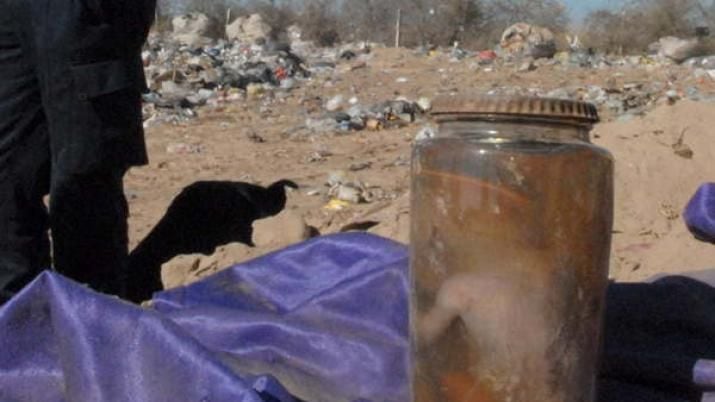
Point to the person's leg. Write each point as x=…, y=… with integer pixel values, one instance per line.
x=88, y=217
x=93, y=105
x=24, y=162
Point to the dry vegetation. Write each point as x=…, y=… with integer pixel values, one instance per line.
x=473, y=23
x=636, y=25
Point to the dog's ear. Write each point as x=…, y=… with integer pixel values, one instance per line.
x=283, y=184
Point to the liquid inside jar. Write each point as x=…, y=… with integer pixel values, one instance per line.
x=510, y=247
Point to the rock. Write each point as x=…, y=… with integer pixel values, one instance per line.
x=373, y=124
x=425, y=104
x=288, y=84
x=679, y=50
x=195, y=100
x=183, y=148
x=206, y=93
x=313, y=192
x=348, y=55
x=559, y=93
x=527, y=66
x=525, y=40
x=596, y=95
x=210, y=76
x=248, y=29
x=323, y=125
x=334, y=104
x=255, y=137
x=708, y=62
x=672, y=96
x=280, y=231
x=254, y=90
x=358, y=166
x=173, y=93
x=700, y=73
x=336, y=178
x=294, y=33
x=356, y=111
x=192, y=29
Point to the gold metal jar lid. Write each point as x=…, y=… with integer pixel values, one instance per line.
x=462, y=107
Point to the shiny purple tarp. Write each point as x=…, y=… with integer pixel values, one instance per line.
x=325, y=320
x=700, y=213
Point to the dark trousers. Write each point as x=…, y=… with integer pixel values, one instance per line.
x=72, y=147
x=87, y=216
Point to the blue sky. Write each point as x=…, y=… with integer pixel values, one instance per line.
x=580, y=8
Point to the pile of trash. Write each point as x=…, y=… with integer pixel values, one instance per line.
x=187, y=68
x=343, y=116
x=198, y=65
x=182, y=76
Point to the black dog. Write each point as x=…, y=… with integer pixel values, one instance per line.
x=205, y=215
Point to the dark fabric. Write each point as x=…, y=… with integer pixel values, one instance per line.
x=89, y=230
x=70, y=117
x=659, y=341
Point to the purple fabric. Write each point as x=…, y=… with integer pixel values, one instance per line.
x=328, y=318
x=325, y=320
x=62, y=342
x=700, y=213
x=704, y=374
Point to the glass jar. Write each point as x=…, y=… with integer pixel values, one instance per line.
x=512, y=212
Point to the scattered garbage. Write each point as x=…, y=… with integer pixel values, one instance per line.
x=347, y=193
x=337, y=205
x=527, y=66
x=525, y=40
x=287, y=96
x=679, y=50
x=190, y=69
x=334, y=103
x=346, y=189
x=486, y=57
x=183, y=148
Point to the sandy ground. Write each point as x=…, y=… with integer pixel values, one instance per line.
x=653, y=183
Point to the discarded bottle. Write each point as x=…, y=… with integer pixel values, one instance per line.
x=512, y=212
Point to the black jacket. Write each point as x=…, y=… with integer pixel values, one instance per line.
x=87, y=58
